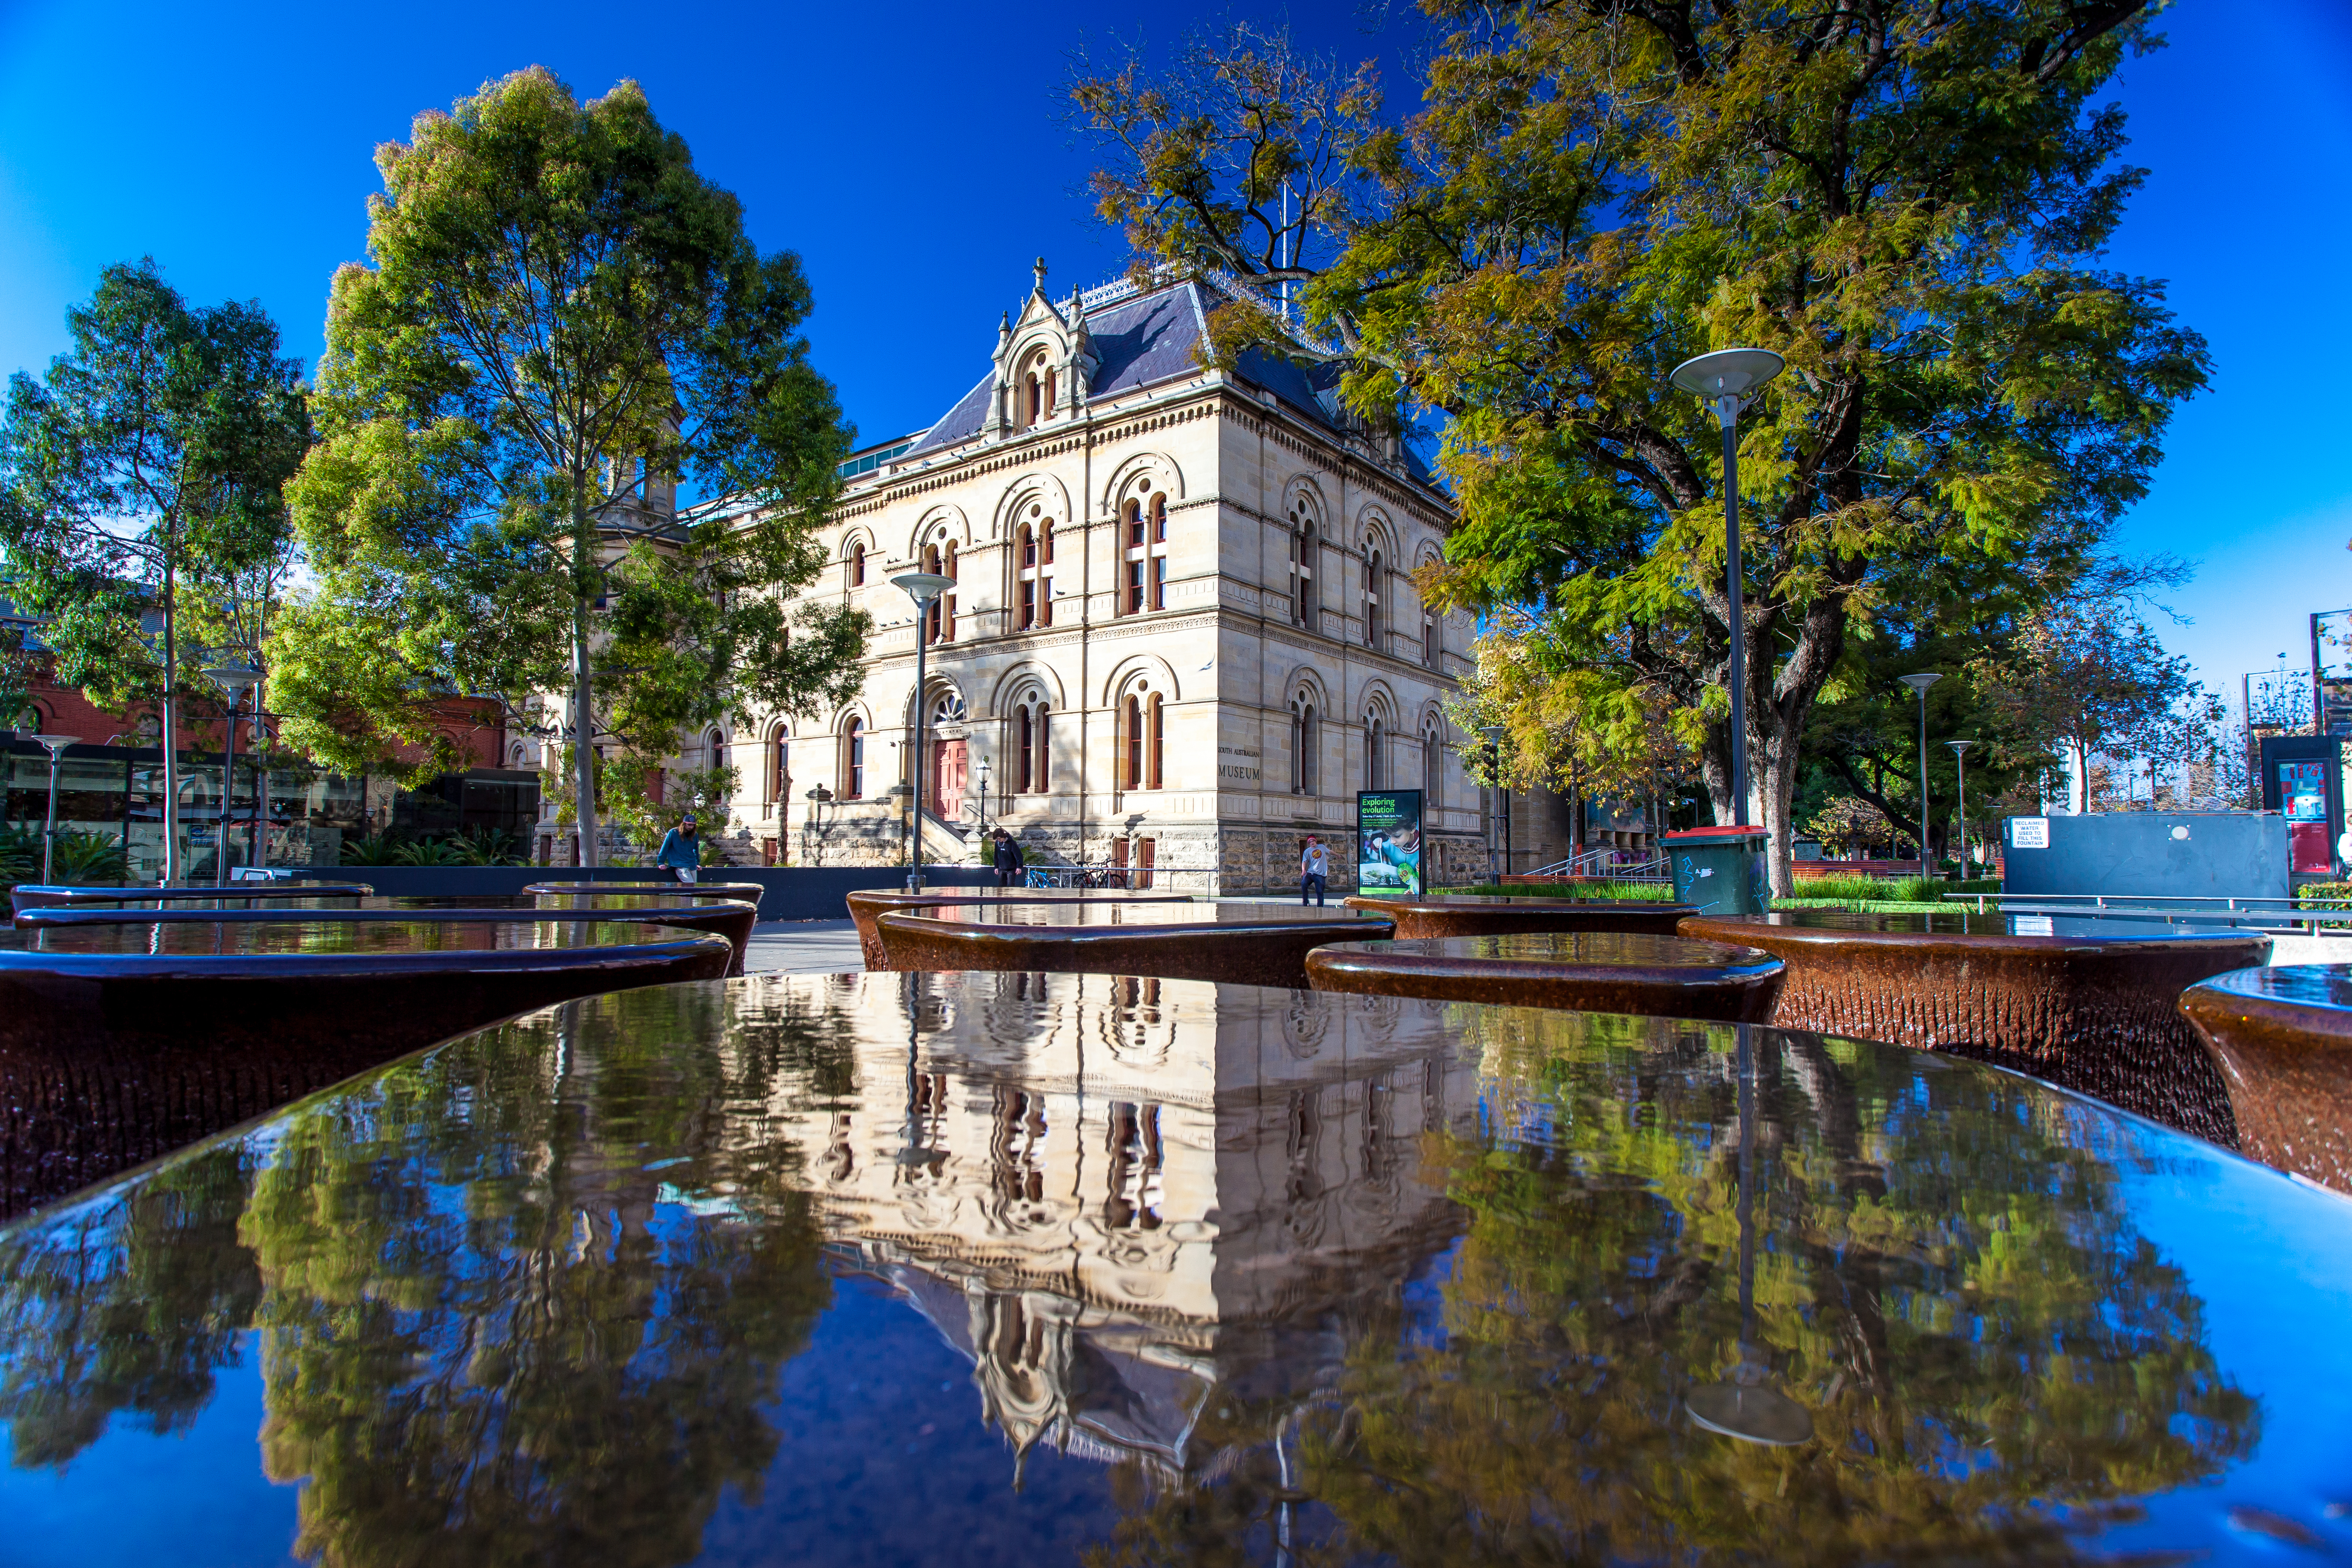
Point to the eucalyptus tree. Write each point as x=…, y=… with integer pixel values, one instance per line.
x=566, y=399
x=1904, y=198
x=149, y=463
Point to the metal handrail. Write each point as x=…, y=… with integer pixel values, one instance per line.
x=2233, y=909
x=1655, y=869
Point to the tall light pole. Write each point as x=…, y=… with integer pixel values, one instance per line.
x=234, y=680
x=924, y=588
x=56, y=746
x=1494, y=733
x=1726, y=380
x=1961, y=751
x=1919, y=683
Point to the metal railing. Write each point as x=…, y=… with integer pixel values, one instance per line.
x=1608, y=865
x=2268, y=913
x=1195, y=879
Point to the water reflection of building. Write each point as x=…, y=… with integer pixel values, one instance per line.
x=1114, y=1194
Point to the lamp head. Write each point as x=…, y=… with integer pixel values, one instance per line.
x=1961, y=746
x=1727, y=372
x=1921, y=681
x=923, y=586
x=57, y=744
x=234, y=679
x=1494, y=732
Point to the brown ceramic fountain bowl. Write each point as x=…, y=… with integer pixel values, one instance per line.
x=121, y=1042
x=1593, y=972
x=2092, y=1006
x=2283, y=1040
x=36, y=895
x=749, y=892
x=729, y=917
x=867, y=903
x=1249, y=944
x=1485, y=914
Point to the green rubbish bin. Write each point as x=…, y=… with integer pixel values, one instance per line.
x=1720, y=870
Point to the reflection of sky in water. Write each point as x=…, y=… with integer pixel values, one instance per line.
x=1133, y=1229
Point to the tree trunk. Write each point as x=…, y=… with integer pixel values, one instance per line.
x=171, y=711
x=583, y=709
x=2078, y=788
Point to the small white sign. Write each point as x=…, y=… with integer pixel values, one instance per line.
x=2029, y=833
x=2031, y=925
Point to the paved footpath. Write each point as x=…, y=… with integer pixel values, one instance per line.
x=803, y=947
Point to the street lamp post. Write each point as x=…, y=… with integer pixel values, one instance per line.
x=1919, y=683
x=1728, y=381
x=813, y=825
x=984, y=796
x=1961, y=751
x=55, y=745
x=924, y=588
x=1494, y=733
x=234, y=680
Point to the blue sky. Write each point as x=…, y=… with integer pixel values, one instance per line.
x=917, y=159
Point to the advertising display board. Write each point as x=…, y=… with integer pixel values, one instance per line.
x=1388, y=841
x=2302, y=779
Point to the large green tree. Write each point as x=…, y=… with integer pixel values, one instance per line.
x=149, y=464
x=1904, y=198
x=568, y=416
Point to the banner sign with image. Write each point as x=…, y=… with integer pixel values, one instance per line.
x=1388, y=841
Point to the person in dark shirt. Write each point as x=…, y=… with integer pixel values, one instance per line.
x=1008, y=861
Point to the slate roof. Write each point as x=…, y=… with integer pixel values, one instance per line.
x=1155, y=338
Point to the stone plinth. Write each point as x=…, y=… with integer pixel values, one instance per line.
x=122, y=1041
x=1249, y=944
x=1595, y=972
x=1481, y=914
x=2089, y=1005
x=2283, y=1039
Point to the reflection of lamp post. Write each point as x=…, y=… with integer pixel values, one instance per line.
x=818, y=797
x=56, y=746
x=1961, y=751
x=1919, y=683
x=924, y=588
x=984, y=796
x=1726, y=380
x=1744, y=1407
x=234, y=680
x=1494, y=733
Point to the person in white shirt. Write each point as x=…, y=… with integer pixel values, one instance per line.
x=1313, y=870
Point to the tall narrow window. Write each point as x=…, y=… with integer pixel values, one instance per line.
x=1046, y=576
x=938, y=621
x=1025, y=580
x=779, y=775
x=1302, y=745
x=1051, y=399
x=1156, y=724
x=1302, y=567
x=1428, y=635
x=1132, y=720
x=1376, y=773
x=1043, y=772
x=1143, y=552
x=1372, y=599
x=1433, y=757
x=1026, y=735
x=852, y=761
x=857, y=566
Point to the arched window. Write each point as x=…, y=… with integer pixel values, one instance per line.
x=1143, y=727
x=938, y=621
x=1372, y=599
x=1302, y=745
x=1024, y=744
x=1143, y=551
x=1376, y=771
x=779, y=772
x=714, y=750
x=1033, y=570
x=1033, y=391
x=1041, y=774
x=852, y=759
x=858, y=564
x=1433, y=761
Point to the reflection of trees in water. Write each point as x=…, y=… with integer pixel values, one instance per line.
x=1950, y=1284
x=128, y=1305
x=480, y=1343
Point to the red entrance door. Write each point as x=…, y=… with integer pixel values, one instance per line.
x=948, y=763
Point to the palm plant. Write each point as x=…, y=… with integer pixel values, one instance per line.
x=430, y=852
x=376, y=849
x=86, y=858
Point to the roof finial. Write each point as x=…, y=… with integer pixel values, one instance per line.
x=1041, y=274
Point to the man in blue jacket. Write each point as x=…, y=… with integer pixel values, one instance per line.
x=680, y=850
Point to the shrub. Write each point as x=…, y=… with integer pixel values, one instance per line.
x=90, y=857
x=376, y=849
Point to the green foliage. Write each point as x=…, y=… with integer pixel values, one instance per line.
x=1904, y=199
x=90, y=857
x=374, y=849
x=428, y=852
x=1643, y=893
x=568, y=417
x=20, y=855
x=149, y=464
x=2323, y=896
